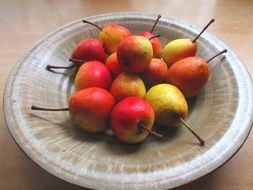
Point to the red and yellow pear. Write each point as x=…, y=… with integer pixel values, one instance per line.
x=127, y=84
x=83, y=109
x=90, y=49
x=156, y=45
x=111, y=35
x=134, y=53
x=113, y=65
x=181, y=48
x=190, y=74
x=170, y=107
x=93, y=74
x=156, y=73
x=132, y=120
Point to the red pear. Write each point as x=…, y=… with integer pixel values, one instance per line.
x=190, y=74
x=132, y=120
x=111, y=35
x=113, y=65
x=127, y=84
x=134, y=53
x=154, y=40
x=89, y=49
x=156, y=73
x=83, y=109
x=93, y=74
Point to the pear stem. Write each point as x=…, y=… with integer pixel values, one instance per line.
x=48, y=109
x=155, y=36
x=143, y=126
x=223, y=51
x=202, y=142
x=49, y=67
x=76, y=60
x=209, y=23
x=158, y=18
x=59, y=67
x=87, y=22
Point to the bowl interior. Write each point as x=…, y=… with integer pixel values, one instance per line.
x=100, y=160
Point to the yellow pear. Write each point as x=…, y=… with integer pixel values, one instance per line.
x=170, y=106
x=168, y=103
x=181, y=48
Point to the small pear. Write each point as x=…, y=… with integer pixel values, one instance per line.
x=153, y=39
x=156, y=73
x=93, y=74
x=132, y=120
x=134, y=53
x=190, y=74
x=90, y=49
x=168, y=103
x=170, y=106
x=111, y=35
x=127, y=84
x=178, y=49
x=113, y=65
x=83, y=109
x=181, y=48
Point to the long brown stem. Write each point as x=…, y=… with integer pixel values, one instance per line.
x=76, y=60
x=209, y=23
x=60, y=67
x=88, y=22
x=143, y=126
x=155, y=36
x=48, y=109
x=66, y=67
x=202, y=142
x=158, y=18
x=223, y=51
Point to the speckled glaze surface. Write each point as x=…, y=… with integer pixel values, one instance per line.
x=221, y=114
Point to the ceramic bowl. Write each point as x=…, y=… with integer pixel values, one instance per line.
x=221, y=114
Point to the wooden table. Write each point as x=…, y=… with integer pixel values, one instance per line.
x=24, y=22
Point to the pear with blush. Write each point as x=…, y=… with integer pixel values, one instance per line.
x=127, y=84
x=170, y=107
x=93, y=74
x=90, y=49
x=113, y=65
x=181, y=48
x=190, y=74
x=156, y=45
x=83, y=109
x=132, y=120
x=134, y=53
x=111, y=35
x=156, y=73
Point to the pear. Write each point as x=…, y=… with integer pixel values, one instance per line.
x=181, y=48
x=83, y=109
x=190, y=74
x=90, y=49
x=111, y=35
x=93, y=74
x=170, y=106
x=134, y=53
x=168, y=103
x=113, y=65
x=132, y=120
x=156, y=73
x=127, y=84
x=153, y=39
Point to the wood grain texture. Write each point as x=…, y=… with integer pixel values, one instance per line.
x=13, y=162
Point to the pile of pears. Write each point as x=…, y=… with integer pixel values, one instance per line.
x=128, y=82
